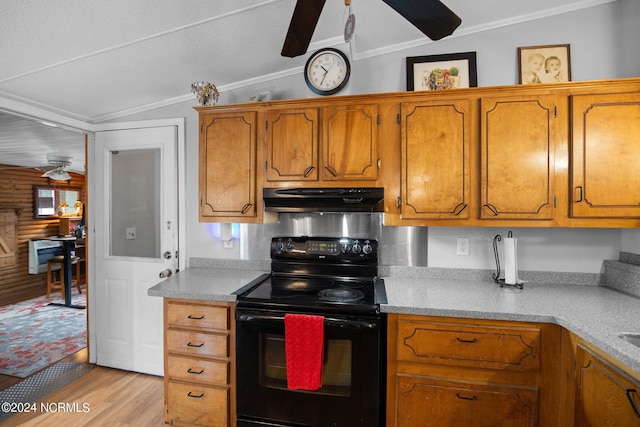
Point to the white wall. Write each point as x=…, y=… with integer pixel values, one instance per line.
x=603, y=43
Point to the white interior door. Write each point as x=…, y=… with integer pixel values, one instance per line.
x=136, y=243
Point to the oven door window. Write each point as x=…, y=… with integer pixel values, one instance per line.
x=336, y=367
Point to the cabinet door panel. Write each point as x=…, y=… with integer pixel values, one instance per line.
x=227, y=164
x=517, y=157
x=435, y=159
x=606, y=154
x=350, y=143
x=292, y=151
x=606, y=398
x=430, y=402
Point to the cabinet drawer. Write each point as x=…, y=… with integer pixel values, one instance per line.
x=198, y=316
x=198, y=343
x=198, y=370
x=195, y=404
x=467, y=345
x=430, y=402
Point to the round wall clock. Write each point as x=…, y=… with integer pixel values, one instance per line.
x=327, y=71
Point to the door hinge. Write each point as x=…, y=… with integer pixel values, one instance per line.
x=555, y=111
x=379, y=162
x=555, y=202
x=266, y=125
x=398, y=118
x=379, y=119
x=266, y=164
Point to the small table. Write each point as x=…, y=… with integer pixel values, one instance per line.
x=68, y=244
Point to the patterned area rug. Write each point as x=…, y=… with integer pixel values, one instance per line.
x=34, y=334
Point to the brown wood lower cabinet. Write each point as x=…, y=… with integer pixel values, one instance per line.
x=431, y=402
x=606, y=397
x=471, y=372
x=199, y=363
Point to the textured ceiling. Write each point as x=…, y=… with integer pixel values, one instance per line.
x=95, y=60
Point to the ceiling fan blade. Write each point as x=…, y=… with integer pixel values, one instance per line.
x=431, y=17
x=303, y=23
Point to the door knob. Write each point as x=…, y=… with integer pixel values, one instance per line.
x=167, y=255
x=166, y=273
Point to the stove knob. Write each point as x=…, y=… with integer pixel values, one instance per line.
x=279, y=245
x=367, y=249
x=356, y=248
x=289, y=246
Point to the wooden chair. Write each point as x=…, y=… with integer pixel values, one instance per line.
x=56, y=264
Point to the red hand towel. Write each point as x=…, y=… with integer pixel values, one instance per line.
x=304, y=348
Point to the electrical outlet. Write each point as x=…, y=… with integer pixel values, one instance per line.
x=462, y=246
x=131, y=233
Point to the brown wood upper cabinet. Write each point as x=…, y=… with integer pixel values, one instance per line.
x=292, y=149
x=606, y=155
x=228, y=166
x=350, y=142
x=517, y=157
x=435, y=159
x=332, y=143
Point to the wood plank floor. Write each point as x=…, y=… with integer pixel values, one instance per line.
x=111, y=397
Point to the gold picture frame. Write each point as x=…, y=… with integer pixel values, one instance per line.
x=544, y=64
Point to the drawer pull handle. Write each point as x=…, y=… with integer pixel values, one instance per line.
x=192, y=317
x=632, y=401
x=191, y=371
x=196, y=396
x=473, y=341
x=466, y=398
x=190, y=344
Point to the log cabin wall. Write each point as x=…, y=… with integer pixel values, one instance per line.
x=16, y=192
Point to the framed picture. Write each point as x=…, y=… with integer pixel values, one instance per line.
x=263, y=95
x=544, y=64
x=442, y=72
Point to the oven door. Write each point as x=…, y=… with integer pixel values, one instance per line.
x=351, y=382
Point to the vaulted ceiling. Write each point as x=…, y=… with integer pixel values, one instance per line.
x=95, y=60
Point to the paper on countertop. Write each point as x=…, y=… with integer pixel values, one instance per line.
x=511, y=261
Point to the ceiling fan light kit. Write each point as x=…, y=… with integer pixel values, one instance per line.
x=57, y=175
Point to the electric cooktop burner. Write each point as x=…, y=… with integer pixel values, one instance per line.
x=340, y=295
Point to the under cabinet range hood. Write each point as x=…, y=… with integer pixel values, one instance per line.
x=368, y=199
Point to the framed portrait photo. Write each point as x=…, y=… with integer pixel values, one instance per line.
x=442, y=72
x=544, y=64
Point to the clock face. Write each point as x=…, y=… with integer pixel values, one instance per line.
x=327, y=71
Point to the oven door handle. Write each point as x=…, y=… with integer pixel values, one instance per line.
x=328, y=321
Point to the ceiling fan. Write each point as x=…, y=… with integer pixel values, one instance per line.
x=57, y=168
x=431, y=17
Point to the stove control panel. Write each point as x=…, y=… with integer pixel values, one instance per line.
x=323, y=247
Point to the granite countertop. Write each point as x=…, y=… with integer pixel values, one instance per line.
x=207, y=284
x=595, y=313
